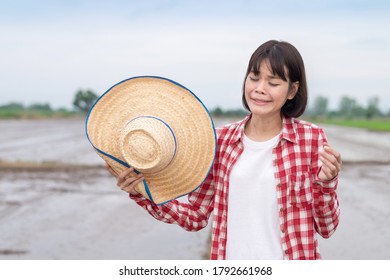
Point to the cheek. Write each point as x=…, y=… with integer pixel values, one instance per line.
x=247, y=93
x=248, y=87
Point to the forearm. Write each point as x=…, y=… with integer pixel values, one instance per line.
x=191, y=216
x=326, y=207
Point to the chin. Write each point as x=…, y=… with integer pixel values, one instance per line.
x=263, y=112
x=259, y=109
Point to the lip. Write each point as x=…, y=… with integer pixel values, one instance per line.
x=260, y=101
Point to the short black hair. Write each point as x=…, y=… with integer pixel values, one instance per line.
x=286, y=62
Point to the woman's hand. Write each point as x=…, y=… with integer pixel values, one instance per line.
x=331, y=164
x=126, y=180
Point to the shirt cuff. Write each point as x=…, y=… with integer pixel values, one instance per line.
x=136, y=197
x=328, y=186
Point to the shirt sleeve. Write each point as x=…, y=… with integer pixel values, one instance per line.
x=326, y=205
x=192, y=215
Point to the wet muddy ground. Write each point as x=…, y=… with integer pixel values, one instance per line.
x=68, y=207
x=78, y=213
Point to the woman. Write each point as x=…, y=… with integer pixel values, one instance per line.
x=273, y=183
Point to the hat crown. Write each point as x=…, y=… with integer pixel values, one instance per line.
x=148, y=144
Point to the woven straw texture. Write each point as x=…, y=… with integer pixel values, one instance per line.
x=147, y=144
x=174, y=105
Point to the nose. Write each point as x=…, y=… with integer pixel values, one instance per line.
x=260, y=86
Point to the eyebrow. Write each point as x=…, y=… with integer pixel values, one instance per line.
x=268, y=76
x=273, y=77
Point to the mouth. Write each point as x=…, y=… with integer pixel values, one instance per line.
x=260, y=101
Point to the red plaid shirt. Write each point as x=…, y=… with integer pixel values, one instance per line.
x=306, y=204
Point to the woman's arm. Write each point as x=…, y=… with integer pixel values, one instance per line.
x=327, y=164
x=192, y=216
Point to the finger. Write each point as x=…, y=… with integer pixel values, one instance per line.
x=328, y=158
x=130, y=184
x=333, y=152
x=325, y=173
x=329, y=168
x=331, y=156
x=130, y=180
x=125, y=174
x=131, y=189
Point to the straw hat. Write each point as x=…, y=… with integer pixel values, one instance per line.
x=161, y=129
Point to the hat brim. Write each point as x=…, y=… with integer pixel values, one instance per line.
x=174, y=104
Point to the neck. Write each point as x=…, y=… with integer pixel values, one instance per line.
x=263, y=129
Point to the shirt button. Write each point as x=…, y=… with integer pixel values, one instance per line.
x=281, y=209
x=286, y=252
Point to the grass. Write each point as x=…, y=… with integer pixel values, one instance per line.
x=35, y=114
x=373, y=124
x=380, y=124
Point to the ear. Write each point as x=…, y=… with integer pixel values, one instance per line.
x=293, y=90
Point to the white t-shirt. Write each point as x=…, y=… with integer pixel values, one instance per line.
x=253, y=222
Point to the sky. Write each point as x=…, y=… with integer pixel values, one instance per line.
x=51, y=49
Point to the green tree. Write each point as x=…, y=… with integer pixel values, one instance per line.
x=350, y=108
x=373, y=108
x=320, y=107
x=13, y=106
x=84, y=100
x=40, y=107
x=217, y=112
x=347, y=107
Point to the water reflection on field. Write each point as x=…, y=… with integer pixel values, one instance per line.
x=75, y=211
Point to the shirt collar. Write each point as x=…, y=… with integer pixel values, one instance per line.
x=288, y=130
x=238, y=132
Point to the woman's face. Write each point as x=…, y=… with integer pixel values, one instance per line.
x=266, y=93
